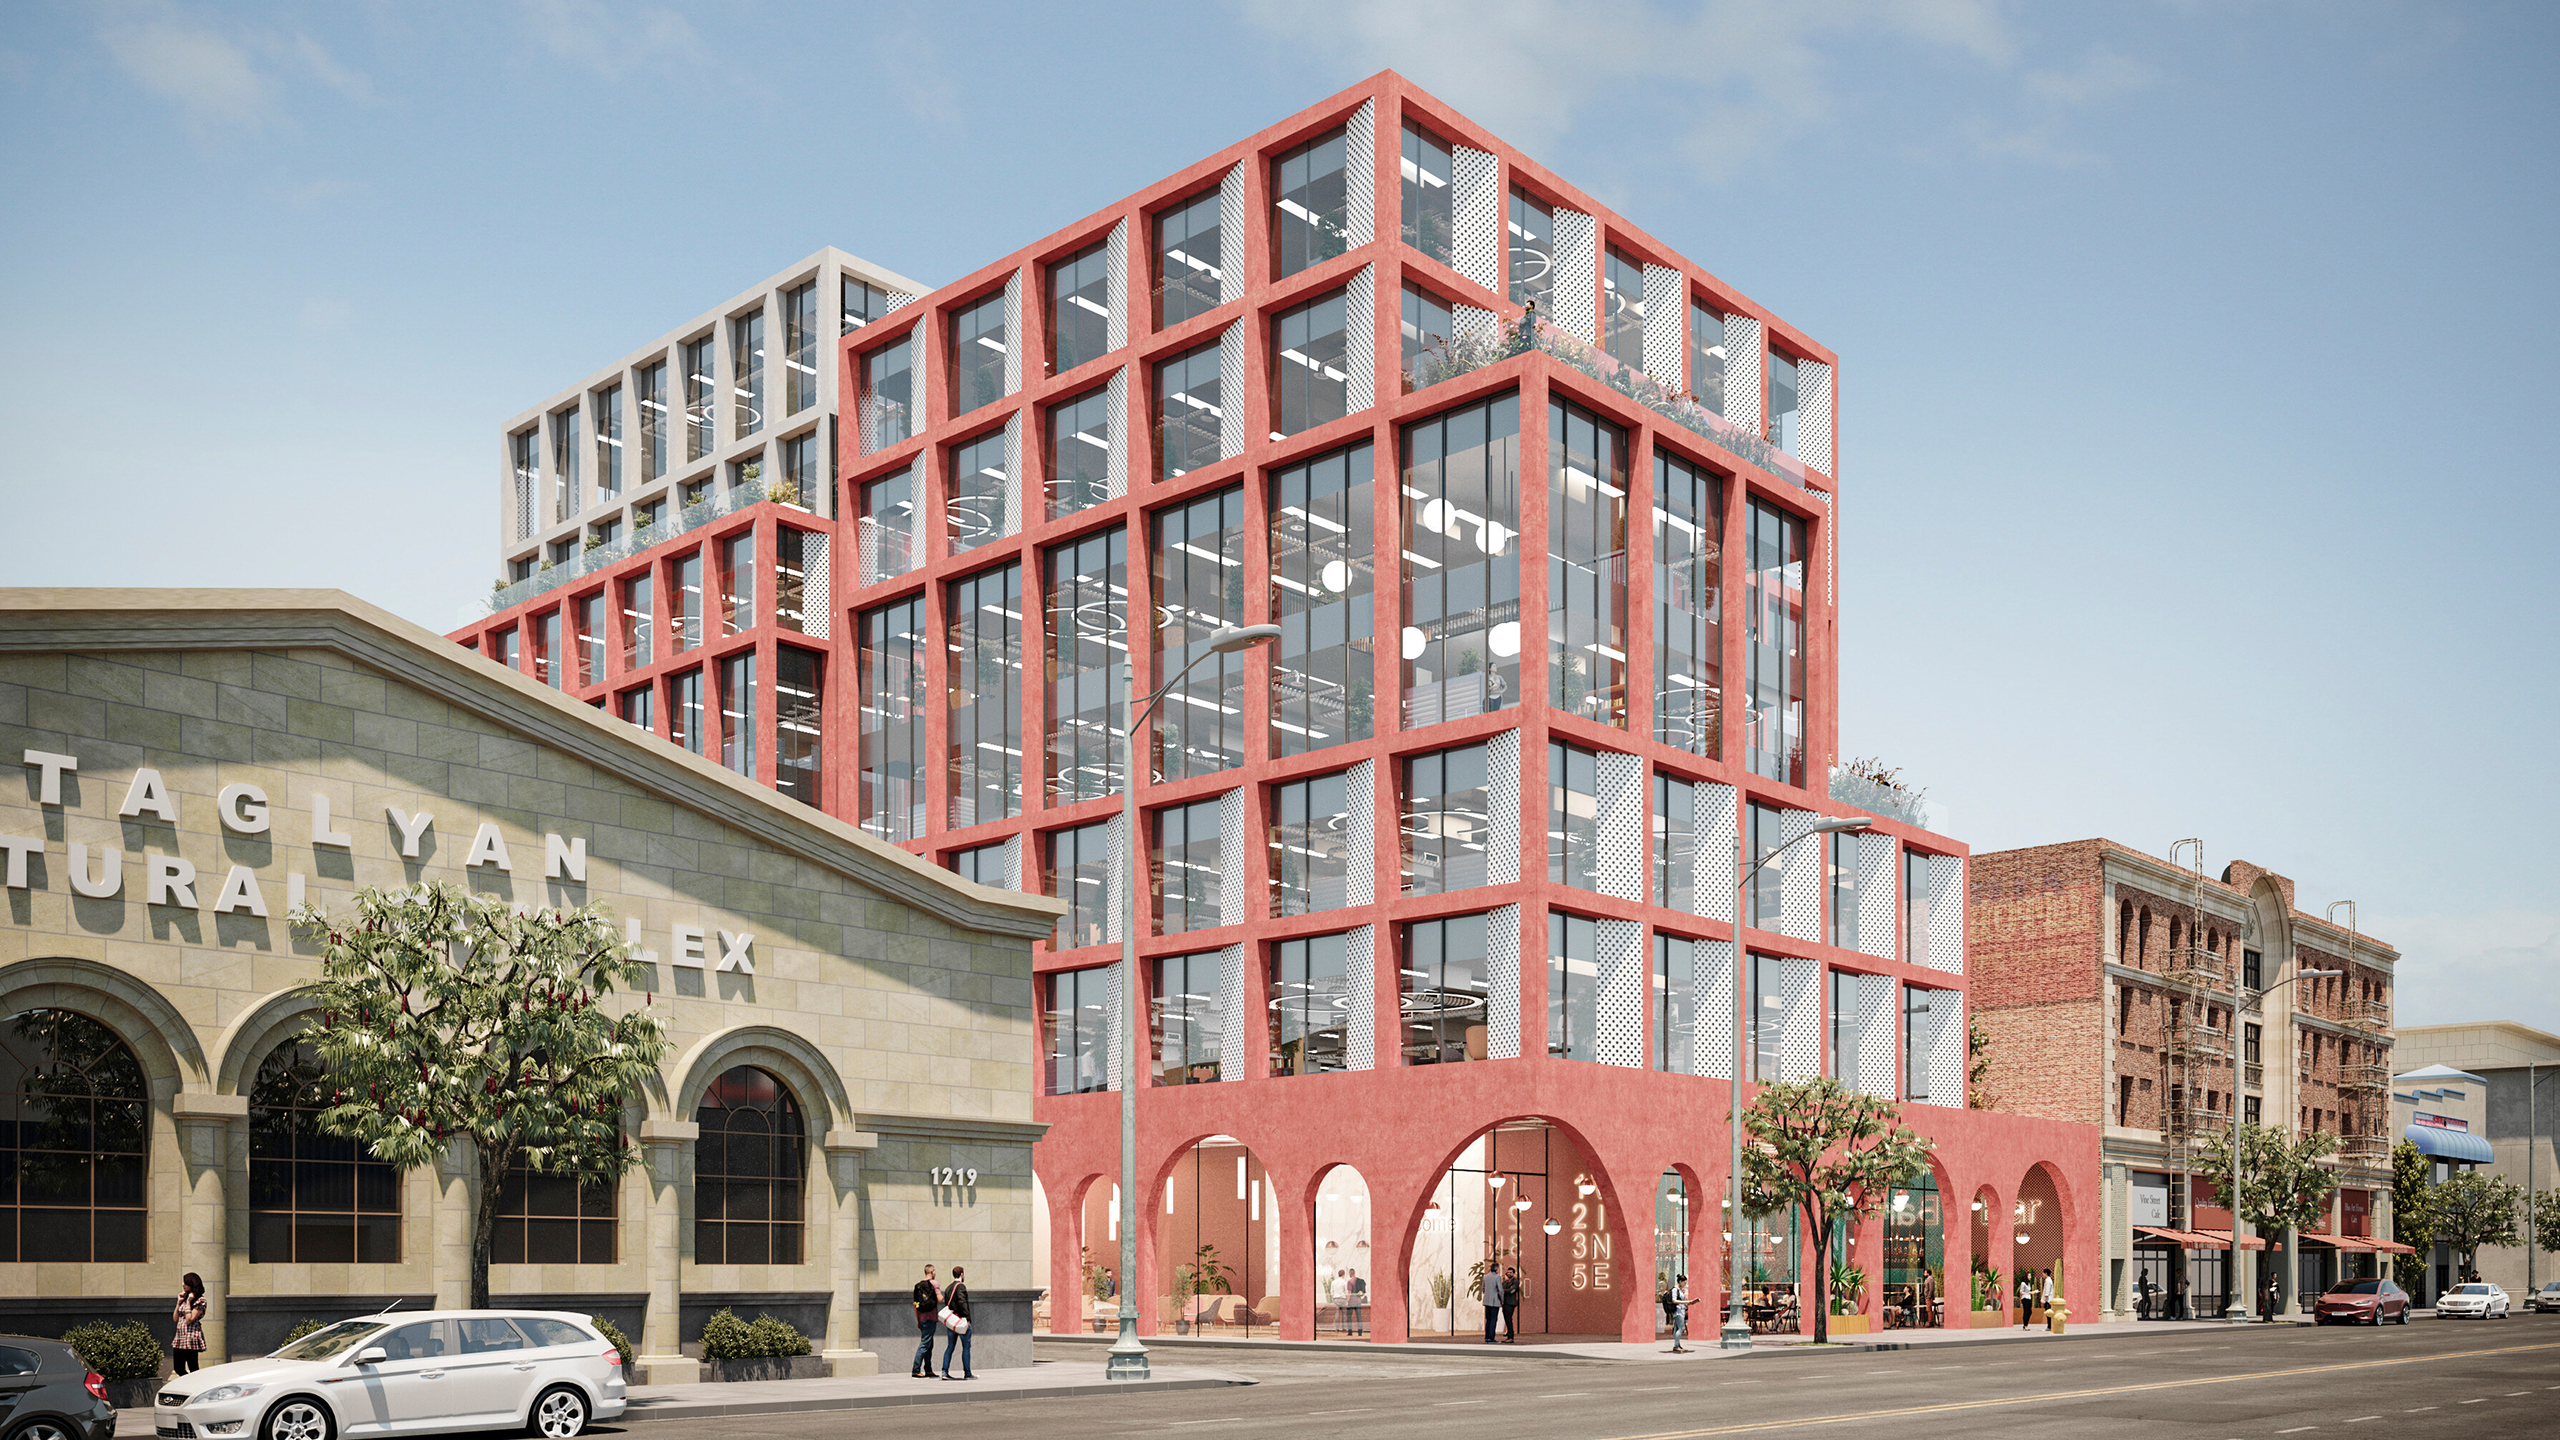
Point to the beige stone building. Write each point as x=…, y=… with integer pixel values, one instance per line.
x=2484, y=1095
x=848, y=1091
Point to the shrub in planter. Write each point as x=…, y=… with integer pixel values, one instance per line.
x=768, y=1336
x=614, y=1337
x=769, y=1349
x=726, y=1337
x=125, y=1356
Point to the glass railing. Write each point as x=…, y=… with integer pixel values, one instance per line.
x=1876, y=797
x=600, y=557
x=1476, y=349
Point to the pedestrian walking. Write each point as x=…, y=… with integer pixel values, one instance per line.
x=954, y=1316
x=186, y=1348
x=1679, y=1314
x=928, y=1303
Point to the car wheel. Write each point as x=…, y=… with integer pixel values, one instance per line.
x=40, y=1430
x=558, y=1414
x=298, y=1417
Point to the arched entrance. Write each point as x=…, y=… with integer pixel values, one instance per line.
x=1915, y=1253
x=1343, y=1270
x=1991, y=1280
x=1522, y=1200
x=2037, y=1222
x=1098, y=1231
x=1043, y=1305
x=1217, y=1244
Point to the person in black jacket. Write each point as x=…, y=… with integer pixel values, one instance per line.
x=1512, y=1293
x=955, y=1298
x=928, y=1300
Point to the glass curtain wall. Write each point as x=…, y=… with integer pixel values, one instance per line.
x=1919, y=1035
x=687, y=573
x=1842, y=865
x=800, y=348
x=1675, y=844
x=1675, y=1004
x=1309, y=1030
x=546, y=648
x=565, y=464
x=1774, y=644
x=1915, y=907
x=591, y=638
x=1573, y=817
x=1783, y=386
x=738, y=705
x=979, y=345
x=701, y=392
x=1323, y=582
x=1186, y=1018
x=1309, y=196
x=1688, y=605
x=1087, y=630
x=1189, y=280
x=1573, y=986
x=1622, y=308
x=638, y=707
x=982, y=630
x=1080, y=308
x=1767, y=892
x=638, y=600
x=888, y=531
x=799, y=724
x=1425, y=347
x=890, y=778
x=1189, y=417
x=1310, y=381
x=1706, y=356
x=986, y=865
x=1199, y=590
x=1442, y=991
x=888, y=395
x=738, y=583
x=1429, y=224
x=1447, y=821
x=978, y=509
x=859, y=303
x=746, y=363
x=653, y=421
x=608, y=407
x=800, y=477
x=792, y=551
x=1461, y=602
x=684, y=710
x=1082, y=870
x=1078, y=461
x=1186, y=875
x=1532, y=226
x=1310, y=845
x=1586, y=565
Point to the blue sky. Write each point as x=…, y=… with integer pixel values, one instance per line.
x=2196, y=358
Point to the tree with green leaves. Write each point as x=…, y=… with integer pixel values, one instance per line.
x=1977, y=1067
x=2283, y=1183
x=2411, y=1175
x=2546, y=1219
x=449, y=1018
x=1830, y=1153
x=2471, y=1209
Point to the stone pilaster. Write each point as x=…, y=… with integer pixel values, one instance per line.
x=843, y=1350
x=204, y=1243
x=662, y=1360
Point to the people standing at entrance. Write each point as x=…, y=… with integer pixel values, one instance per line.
x=2270, y=1299
x=954, y=1316
x=186, y=1348
x=2178, y=1301
x=1359, y=1313
x=1489, y=1285
x=928, y=1301
x=2142, y=1297
x=1513, y=1292
x=1679, y=1314
x=2044, y=1294
x=2026, y=1299
x=1925, y=1308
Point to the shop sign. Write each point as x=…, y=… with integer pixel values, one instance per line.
x=2151, y=1205
x=2442, y=1122
x=1592, y=1248
x=171, y=882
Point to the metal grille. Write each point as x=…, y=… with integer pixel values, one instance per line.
x=1800, y=878
x=1742, y=371
x=1946, y=914
x=899, y=299
x=1360, y=998
x=1360, y=842
x=1620, y=841
x=1360, y=187
x=1875, y=895
x=1666, y=312
x=1231, y=893
x=1116, y=467
x=1012, y=862
x=1876, y=1014
x=1475, y=212
x=1231, y=241
x=1624, y=964
x=1719, y=851
x=1470, y=320
x=1231, y=388
x=1115, y=329
x=1114, y=913
x=1577, y=274
x=1813, y=414
x=1360, y=340
x=1502, y=983
x=1502, y=796
x=524, y=507
x=1715, y=1007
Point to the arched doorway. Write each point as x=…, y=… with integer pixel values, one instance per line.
x=1343, y=1271
x=1915, y=1253
x=1098, y=1231
x=750, y=1171
x=78, y=1112
x=2036, y=1221
x=1991, y=1283
x=1524, y=1199
x=1218, y=1244
x=1043, y=1305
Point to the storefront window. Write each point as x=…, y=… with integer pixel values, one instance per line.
x=750, y=1169
x=1442, y=990
x=1218, y=1244
x=1915, y=1254
x=77, y=1143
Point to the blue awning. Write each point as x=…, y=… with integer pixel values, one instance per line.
x=2450, y=1144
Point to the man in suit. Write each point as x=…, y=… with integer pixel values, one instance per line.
x=928, y=1301
x=1490, y=1286
x=1512, y=1291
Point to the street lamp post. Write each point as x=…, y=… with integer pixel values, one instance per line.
x=1736, y=1334
x=2243, y=997
x=1128, y=1358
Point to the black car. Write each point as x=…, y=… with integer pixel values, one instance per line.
x=48, y=1393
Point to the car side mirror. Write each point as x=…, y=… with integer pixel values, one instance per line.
x=370, y=1355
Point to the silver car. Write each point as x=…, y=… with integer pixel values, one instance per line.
x=421, y=1374
x=2478, y=1300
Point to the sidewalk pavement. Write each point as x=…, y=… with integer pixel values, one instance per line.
x=1043, y=1380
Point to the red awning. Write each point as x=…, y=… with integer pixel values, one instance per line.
x=2221, y=1240
x=2392, y=1247
x=2182, y=1239
x=2349, y=1243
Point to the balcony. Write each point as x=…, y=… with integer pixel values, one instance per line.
x=2364, y=1077
x=2368, y=1015
x=600, y=557
x=1876, y=797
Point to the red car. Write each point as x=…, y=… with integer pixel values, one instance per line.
x=2362, y=1302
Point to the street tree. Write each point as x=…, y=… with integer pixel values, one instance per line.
x=2411, y=1176
x=2546, y=1219
x=449, y=1018
x=2471, y=1209
x=1829, y=1153
x=2283, y=1184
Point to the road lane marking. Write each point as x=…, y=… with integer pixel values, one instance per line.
x=1576, y=1394
x=2513, y=1393
x=1228, y=1420
x=2481, y=1401
x=2050, y=1395
x=2363, y=1418
x=2298, y=1429
x=2413, y=1412
x=1363, y=1410
x=1463, y=1402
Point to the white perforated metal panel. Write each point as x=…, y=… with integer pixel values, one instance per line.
x=1800, y=1031
x=1813, y=414
x=1475, y=205
x=1013, y=334
x=1946, y=1049
x=1719, y=851
x=1502, y=984
x=1231, y=238
x=1360, y=177
x=1472, y=320
x=1666, y=312
x=1619, y=1030
x=1115, y=330
x=1716, y=1002
x=1742, y=372
x=899, y=299
x=1116, y=996
x=1232, y=1013
x=1877, y=1074
x=1799, y=878
x=1502, y=797
x=1360, y=839
x=1875, y=895
x=1577, y=287
x=1231, y=406
x=1012, y=863
x=1946, y=913
x=1360, y=998
x=1114, y=917
x=1620, y=825
x=817, y=611
x=1013, y=474
x=1116, y=468
x=1360, y=341
x=1231, y=895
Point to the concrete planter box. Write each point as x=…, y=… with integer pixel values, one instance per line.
x=768, y=1367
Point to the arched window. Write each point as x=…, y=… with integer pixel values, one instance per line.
x=75, y=1153
x=750, y=1169
x=547, y=1219
x=314, y=1197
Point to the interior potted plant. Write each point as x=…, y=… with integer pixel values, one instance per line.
x=1442, y=1289
x=1848, y=1298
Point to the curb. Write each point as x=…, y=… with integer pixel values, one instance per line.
x=707, y=1410
x=1330, y=1347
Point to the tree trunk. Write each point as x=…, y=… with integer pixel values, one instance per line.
x=484, y=1219
x=1821, y=1275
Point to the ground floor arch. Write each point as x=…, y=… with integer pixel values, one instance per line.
x=1522, y=1214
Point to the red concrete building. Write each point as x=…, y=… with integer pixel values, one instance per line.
x=1440, y=943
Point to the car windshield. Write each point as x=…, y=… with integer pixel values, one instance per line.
x=2472, y=1290
x=2357, y=1287
x=329, y=1342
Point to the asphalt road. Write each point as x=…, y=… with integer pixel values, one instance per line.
x=2471, y=1379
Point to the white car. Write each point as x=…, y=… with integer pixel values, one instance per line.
x=419, y=1374
x=2477, y=1299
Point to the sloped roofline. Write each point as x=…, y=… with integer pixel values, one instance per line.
x=74, y=620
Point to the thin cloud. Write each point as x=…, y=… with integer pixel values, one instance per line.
x=610, y=40
x=219, y=80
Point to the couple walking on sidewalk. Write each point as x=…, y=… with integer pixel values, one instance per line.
x=947, y=1307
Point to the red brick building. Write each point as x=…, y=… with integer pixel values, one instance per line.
x=2122, y=990
x=1440, y=948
